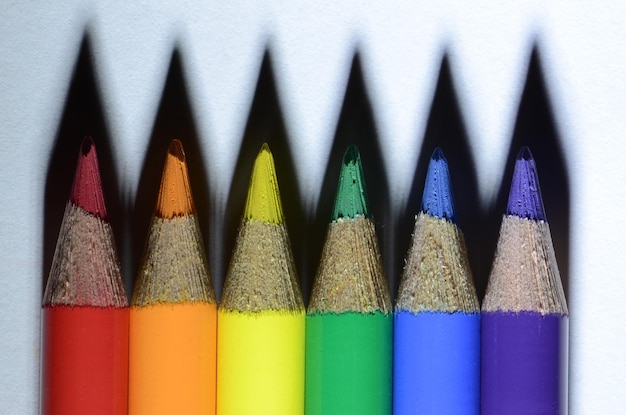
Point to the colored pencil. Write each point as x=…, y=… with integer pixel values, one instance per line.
x=437, y=317
x=261, y=316
x=85, y=309
x=173, y=309
x=524, y=314
x=349, y=319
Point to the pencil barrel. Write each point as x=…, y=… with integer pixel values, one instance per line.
x=348, y=363
x=524, y=363
x=85, y=360
x=260, y=362
x=172, y=359
x=436, y=366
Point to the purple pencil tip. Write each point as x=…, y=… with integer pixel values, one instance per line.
x=525, y=198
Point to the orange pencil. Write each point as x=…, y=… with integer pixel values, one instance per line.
x=173, y=315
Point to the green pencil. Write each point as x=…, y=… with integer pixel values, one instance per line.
x=349, y=320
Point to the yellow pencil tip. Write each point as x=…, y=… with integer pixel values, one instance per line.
x=175, y=193
x=263, y=202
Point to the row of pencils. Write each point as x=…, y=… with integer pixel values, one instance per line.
x=175, y=351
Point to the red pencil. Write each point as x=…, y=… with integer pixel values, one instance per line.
x=85, y=309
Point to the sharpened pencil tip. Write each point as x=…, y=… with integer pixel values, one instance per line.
x=87, y=187
x=438, y=199
x=351, y=199
x=438, y=154
x=87, y=146
x=263, y=203
x=175, y=198
x=525, y=199
x=176, y=150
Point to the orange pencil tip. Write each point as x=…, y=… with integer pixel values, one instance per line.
x=175, y=193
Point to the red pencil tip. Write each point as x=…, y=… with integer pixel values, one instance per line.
x=87, y=189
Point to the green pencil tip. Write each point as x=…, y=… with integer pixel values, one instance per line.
x=351, y=199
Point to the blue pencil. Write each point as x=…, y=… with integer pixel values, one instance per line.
x=436, y=320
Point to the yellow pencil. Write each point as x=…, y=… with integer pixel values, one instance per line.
x=261, y=316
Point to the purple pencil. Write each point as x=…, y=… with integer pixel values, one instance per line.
x=524, y=323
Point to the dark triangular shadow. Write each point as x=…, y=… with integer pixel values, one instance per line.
x=82, y=116
x=174, y=119
x=356, y=126
x=445, y=128
x=265, y=124
x=535, y=127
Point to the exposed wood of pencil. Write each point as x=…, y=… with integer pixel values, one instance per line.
x=525, y=279
x=262, y=274
x=350, y=276
x=437, y=275
x=85, y=269
x=173, y=275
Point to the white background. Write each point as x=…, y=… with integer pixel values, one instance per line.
x=582, y=48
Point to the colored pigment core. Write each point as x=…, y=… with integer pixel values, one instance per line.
x=175, y=197
x=263, y=202
x=437, y=199
x=351, y=199
x=525, y=198
x=87, y=187
x=349, y=363
x=521, y=363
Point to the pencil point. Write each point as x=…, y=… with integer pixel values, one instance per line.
x=525, y=198
x=438, y=200
x=175, y=197
x=87, y=187
x=263, y=203
x=351, y=199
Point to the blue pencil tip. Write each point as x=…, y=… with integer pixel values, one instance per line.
x=437, y=199
x=525, y=198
